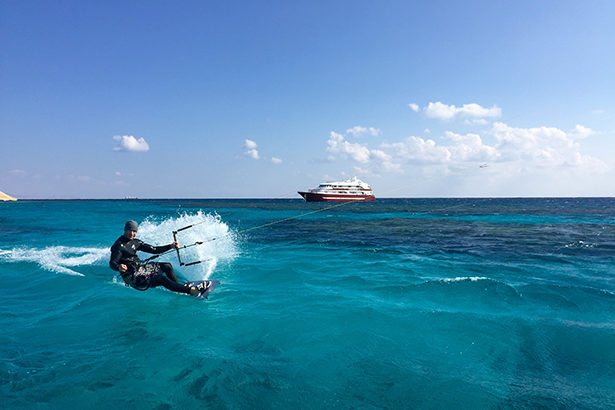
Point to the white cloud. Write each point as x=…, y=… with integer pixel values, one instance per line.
x=337, y=145
x=525, y=148
x=18, y=173
x=385, y=160
x=446, y=112
x=545, y=147
x=276, y=160
x=360, y=131
x=418, y=149
x=476, y=121
x=360, y=153
x=541, y=156
x=499, y=159
x=362, y=171
x=470, y=147
x=414, y=107
x=130, y=144
x=249, y=144
x=251, y=152
x=380, y=155
x=581, y=132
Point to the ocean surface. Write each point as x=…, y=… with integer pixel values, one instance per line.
x=399, y=303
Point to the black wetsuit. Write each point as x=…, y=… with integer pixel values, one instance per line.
x=124, y=251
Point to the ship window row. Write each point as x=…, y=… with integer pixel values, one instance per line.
x=339, y=187
x=352, y=192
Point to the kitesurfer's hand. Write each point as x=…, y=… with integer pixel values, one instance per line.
x=176, y=245
x=123, y=268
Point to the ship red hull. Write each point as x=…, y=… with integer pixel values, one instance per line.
x=313, y=197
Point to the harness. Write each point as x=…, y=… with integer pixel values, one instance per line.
x=141, y=275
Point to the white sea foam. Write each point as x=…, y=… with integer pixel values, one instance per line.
x=465, y=278
x=580, y=244
x=219, y=245
x=219, y=241
x=59, y=259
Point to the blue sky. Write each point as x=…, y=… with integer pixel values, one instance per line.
x=198, y=99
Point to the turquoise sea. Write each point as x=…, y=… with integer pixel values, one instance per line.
x=399, y=303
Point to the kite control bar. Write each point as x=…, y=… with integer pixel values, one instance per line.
x=177, y=249
x=179, y=258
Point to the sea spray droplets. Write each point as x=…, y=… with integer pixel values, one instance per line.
x=57, y=258
x=219, y=241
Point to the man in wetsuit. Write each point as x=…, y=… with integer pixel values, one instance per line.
x=124, y=259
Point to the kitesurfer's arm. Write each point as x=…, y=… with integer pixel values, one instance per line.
x=144, y=247
x=114, y=261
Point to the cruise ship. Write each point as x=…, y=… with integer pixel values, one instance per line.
x=343, y=191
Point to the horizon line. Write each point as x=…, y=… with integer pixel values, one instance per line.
x=301, y=199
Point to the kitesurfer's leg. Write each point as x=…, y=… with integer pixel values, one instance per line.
x=160, y=280
x=167, y=268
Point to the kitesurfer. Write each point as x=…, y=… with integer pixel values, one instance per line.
x=124, y=260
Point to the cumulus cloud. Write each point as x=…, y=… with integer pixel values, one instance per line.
x=360, y=131
x=250, y=146
x=130, y=144
x=276, y=160
x=470, y=147
x=542, y=147
x=414, y=107
x=338, y=145
x=385, y=160
x=545, y=147
x=442, y=111
x=581, y=132
x=420, y=150
x=523, y=148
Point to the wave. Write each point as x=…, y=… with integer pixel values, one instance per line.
x=219, y=242
x=463, y=292
x=580, y=244
x=464, y=278
x=477, y=288
x=59, y=259
x=574, y=304
x=64, y=259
